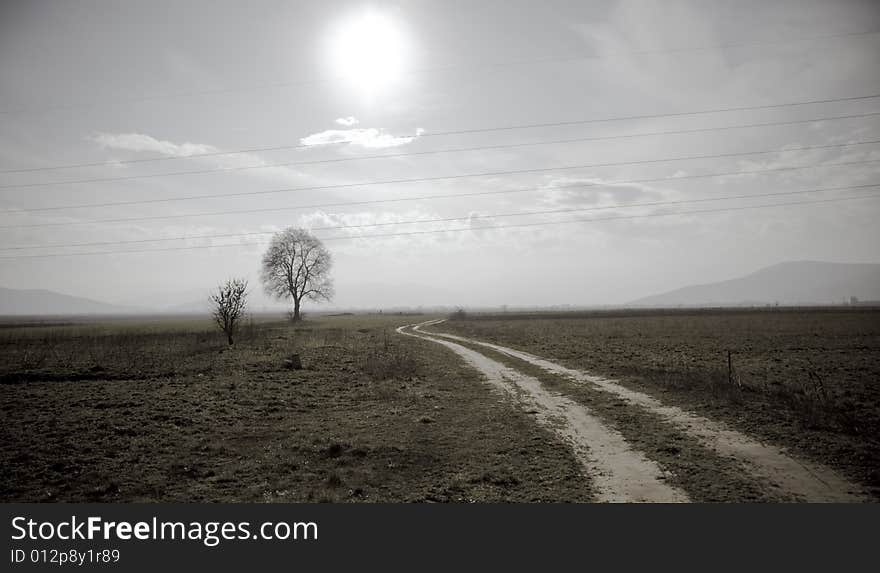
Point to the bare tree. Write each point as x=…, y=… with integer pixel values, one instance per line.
x=297, y=266
x=229, y=303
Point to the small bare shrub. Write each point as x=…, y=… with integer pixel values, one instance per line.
x=229, y=303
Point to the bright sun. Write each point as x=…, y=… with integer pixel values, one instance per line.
x=369, y=51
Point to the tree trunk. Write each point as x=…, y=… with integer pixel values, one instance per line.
x=296, y=316
x=229, y=338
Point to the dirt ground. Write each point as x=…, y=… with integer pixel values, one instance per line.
x=164, y=411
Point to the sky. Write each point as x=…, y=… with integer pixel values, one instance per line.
x=139, y=91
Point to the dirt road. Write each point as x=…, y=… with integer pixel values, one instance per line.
x=621, y=472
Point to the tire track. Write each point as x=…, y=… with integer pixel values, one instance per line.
x=810, y=481
x=620, y=473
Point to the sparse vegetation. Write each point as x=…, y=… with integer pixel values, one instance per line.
x=388, y=363
x=161, y=411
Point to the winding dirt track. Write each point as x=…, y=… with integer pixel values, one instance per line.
x=619, y=473
x=610, y=457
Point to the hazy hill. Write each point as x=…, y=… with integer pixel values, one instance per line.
x=801, y=282
x=39, y=301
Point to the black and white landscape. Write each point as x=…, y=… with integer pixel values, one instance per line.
x=485, y=251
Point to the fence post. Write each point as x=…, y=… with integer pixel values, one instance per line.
x=729, y=369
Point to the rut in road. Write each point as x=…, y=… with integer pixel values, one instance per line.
x=810, y=481
x=619, y=473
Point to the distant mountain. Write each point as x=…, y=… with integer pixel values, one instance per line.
x=45, y=302
x=801, y=282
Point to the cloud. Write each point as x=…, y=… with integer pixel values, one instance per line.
x=830, y=175
x=587, y=192
x=347, y=121
x=365, y=222
x=372, y=137
x=403, y=235
x=250, y=164
x=142, y=142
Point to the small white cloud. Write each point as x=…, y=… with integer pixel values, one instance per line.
x=347, y=121
x=142, y=142
x=370, y=137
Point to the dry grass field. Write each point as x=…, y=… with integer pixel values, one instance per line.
x=131, y=410
x=164, y=410
x=806, y=379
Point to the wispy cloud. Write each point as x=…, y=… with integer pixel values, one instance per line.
x=347, y=121
x=248, y=163
x=142, y=142
x=372, y=137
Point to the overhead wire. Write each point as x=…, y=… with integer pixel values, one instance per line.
x=456, y=230
x=448, y=177
x=452, y=132
x=440, y=196
x=451, y=219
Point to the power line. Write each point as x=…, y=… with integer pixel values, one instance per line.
x=434, y=69
x=460, y=176
x=484, y=228
x=642, y=216
x=452, y=132
x=451, y=219
x=428, y=152
x=440, y=196
x=697, y=48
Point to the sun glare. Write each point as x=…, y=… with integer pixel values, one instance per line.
x=369, y=51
